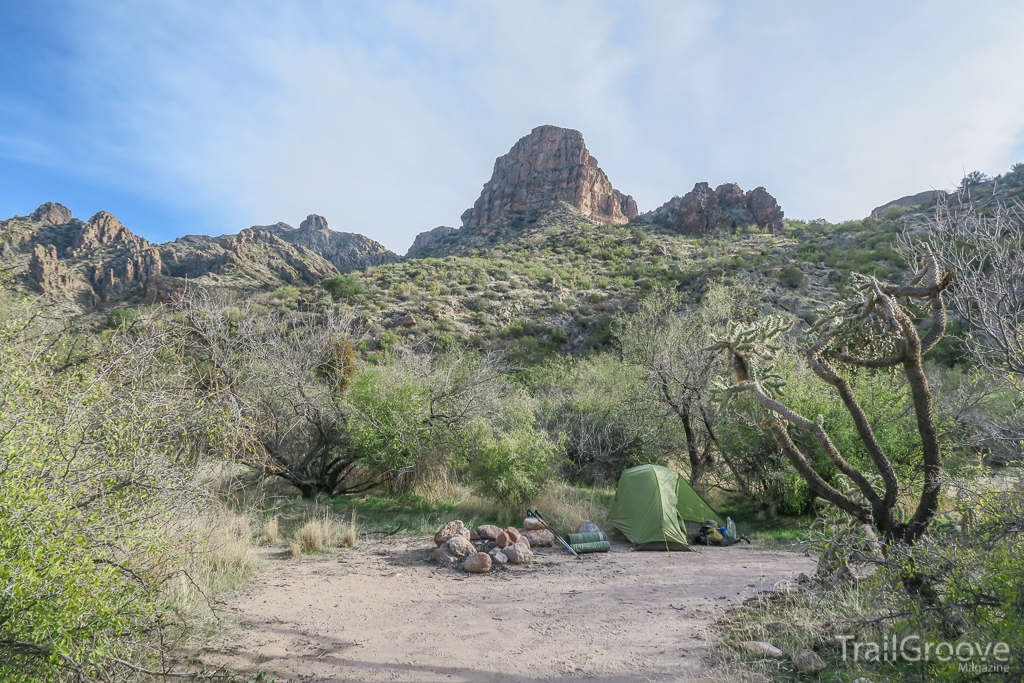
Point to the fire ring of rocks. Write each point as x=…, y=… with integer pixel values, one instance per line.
x=480, y=549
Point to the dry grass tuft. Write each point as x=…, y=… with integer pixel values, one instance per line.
x=296, y=549
x=220, y=558
x=314, y=535
x=351, y=533
x=565, y=506
x=324, y=531
x=271, y=532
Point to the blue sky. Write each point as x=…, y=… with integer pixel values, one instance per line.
x=385, y=117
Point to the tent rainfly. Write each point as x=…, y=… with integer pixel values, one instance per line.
x=650, y=504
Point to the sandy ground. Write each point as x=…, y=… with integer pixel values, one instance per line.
x=383, y=612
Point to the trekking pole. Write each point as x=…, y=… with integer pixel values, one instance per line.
x=536, y=514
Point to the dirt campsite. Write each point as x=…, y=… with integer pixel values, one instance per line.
x=384, y=611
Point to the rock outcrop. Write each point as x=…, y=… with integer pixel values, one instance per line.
x=259, y=253
x=425, y=239
x=100, y=258
x=46, y=271
x=51, y=213
x=103, y=229
x=549, y=166
x=115, y=259
x=703, y=210
x=346, y=250
x=908, y=202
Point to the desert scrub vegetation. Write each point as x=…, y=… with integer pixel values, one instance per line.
x=107, y=531
x=329, y=423
x=973, y=593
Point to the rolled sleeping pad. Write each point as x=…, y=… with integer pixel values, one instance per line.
x=592, y=547
x=588, y=537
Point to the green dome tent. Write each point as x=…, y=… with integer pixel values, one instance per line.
x=651, y=501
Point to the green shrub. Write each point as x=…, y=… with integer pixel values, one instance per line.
x=513, y=462
x=120, y=317
x=791, y=276
x=286, y=292
x=342, y=286
x=94, y=478
x=388, y=339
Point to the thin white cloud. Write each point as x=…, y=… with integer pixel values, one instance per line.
x=386, y=117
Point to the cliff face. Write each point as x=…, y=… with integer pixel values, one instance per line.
x=346, y=250
x=99, y=260
x=549, y=166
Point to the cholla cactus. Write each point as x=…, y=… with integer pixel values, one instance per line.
x=873, y=331
x=755, y=347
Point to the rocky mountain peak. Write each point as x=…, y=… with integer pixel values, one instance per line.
x=549, y=166
x=102, y=229
x=51, y=213
x=314, y=222
x=928, y=197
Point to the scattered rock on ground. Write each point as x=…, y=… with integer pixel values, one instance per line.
x=539, y=539
x=518, y=553
x=488, y=532
x=452, y=528
x=444, y=555
x=588, y=527
x=759, y=647
x=532, y=524
x=498, y=556
x=809, y=662
x=478, y=563
x=460, y=546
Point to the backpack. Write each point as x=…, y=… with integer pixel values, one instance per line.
x=708, y=535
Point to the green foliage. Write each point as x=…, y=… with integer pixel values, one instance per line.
x=950, y=350
x=342, y=286
x=94, y=474
x=601, y=408
x=792, y=277
x=389, y=417
x=513, y=462
x=286, y=292
x=389, y=340
x=120, y=317
x=965, y=585
x=756, y=457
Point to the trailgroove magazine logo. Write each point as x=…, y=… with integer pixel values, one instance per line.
x=973, y=657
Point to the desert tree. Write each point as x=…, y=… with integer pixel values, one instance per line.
x=984, y=243
x=412, y=414
x=671, y=344
x=875, y=331
x=602, y=409
x=985, y=246
x=100, y=498
x=288, y=373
